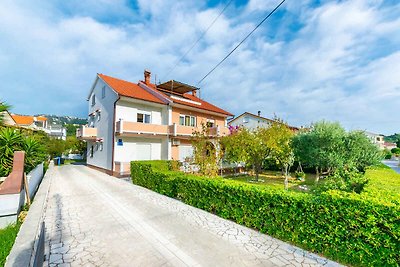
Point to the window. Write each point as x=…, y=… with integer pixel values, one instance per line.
x=143, y=118
x=93, y=100
x=187, y=120
x=246, y=119
x=101, y=146
x=98, y=116
x=103, y=92
x=91, y=151
x=210, y=123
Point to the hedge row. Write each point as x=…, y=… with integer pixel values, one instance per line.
x=343, y=227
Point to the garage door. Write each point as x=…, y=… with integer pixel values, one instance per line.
x=143, y=151
x=185, y=152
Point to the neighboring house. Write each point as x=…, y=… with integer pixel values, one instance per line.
x=39, y=123
x=31, y=122
x=143, y=121
x=251, y=121
x=389, y=145
x=376, y=139
x=7, y=118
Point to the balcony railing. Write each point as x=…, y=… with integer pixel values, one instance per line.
x=86, y=133
x=134, y=128
x=127, y=127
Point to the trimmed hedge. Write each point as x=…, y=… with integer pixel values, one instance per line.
x=350, y=228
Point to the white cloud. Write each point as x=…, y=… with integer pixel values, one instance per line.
x=335, y=67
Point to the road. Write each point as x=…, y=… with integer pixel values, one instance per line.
x=394, y=164
x=93, y=219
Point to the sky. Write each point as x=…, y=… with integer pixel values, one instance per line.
x=312, y=60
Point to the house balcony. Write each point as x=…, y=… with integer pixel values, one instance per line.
x=187, y=131
x=127, y=128
x=86, y=133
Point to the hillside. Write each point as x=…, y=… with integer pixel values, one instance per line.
x=63, y=120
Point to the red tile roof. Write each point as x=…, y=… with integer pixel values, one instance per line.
x=133, y=90
x=129, y=89
x=22, y=120
x=204, y=104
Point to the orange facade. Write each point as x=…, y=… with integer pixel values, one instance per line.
x=200, y=117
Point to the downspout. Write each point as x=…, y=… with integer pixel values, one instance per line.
x=113, y=137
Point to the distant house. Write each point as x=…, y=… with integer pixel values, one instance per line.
x=389, y=145
x=7, y=118
x=376, y=139
x=251, y=121
x=142, y=121
x=39, y=123
x=31, y=122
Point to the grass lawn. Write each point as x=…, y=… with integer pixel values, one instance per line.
x=384, y=183
x=273, y=179
x=7, y=239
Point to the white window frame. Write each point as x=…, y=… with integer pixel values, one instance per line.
x=191, y=119
x=101, y=146
x=144, y=113
x=246, y=119
x=98, y=116
x=211, y=121
x=93, y=100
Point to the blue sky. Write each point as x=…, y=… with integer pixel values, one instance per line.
x=313, y=60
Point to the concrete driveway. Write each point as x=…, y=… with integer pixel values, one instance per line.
x=394, y=164
x=94, y=219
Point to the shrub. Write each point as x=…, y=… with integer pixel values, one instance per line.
x=12, y=140
x=395, y=150
x=351, y=228
x=387, y=154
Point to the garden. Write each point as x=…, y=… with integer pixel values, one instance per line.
x=350, y=212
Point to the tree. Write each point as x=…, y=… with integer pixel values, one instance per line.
x=55, y=147
x=74, y=145
x=359, y=151
x=71, y=129
x=321, y=148
x=207, y=154
x=283, y=151
x=254, y=147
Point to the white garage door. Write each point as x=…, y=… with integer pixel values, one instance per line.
x=185, y=152
x=143, y=151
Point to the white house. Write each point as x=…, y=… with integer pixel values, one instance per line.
x=377, y=139
x=251, y=121
x=143, y=121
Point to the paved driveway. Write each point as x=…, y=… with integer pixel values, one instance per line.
x=94, y=219
x=394, y=164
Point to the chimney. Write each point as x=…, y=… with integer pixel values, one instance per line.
x=259, y=113
x=147, y=76
x=194, y=93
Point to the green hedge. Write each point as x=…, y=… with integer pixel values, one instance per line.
x=349, y=228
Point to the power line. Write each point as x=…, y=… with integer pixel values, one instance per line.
x=241, y=42
x=200, y=37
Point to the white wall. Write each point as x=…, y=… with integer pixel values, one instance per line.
x=10, y=205
x=102, y=159
x=127, y=110
x=128, y=151
x=34, y=178
x=249, y=122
